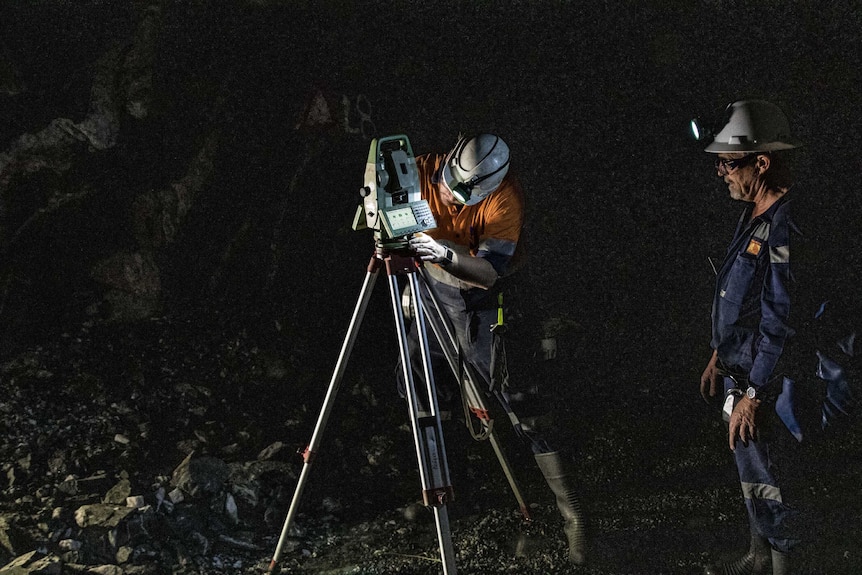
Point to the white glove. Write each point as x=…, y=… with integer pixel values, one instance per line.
x=429, y=250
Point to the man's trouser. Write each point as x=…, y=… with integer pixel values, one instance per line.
x=472, y=327
x=768, y=515
x=473, y=331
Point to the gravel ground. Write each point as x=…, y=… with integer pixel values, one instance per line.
x=106, y=402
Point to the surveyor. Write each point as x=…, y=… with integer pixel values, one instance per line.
x=478, y=204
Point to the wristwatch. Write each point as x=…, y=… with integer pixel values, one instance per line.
x=447, y=258
x=754, y=393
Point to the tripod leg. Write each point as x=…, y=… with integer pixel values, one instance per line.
x=427, y=431
x=329, y=401
x=510, y=477
x=445, y=334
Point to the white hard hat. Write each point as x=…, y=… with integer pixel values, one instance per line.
x=475, y=167
x=753, y=126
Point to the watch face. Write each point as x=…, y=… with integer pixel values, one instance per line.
x=751, y=392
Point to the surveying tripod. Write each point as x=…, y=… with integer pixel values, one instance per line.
x=427, y=432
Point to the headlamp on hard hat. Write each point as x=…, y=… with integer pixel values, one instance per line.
x=705, y=130
x=463, y=191
x=699, y=130
x=475, y=167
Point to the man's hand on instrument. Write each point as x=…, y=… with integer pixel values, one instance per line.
x=430, y=250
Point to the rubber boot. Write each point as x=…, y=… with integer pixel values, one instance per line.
x=755, y=562
x=551, y=466
x=780, y=563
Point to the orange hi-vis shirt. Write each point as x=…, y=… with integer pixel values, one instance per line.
x=489, y=229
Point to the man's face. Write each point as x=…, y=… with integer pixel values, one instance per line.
x=738, y=171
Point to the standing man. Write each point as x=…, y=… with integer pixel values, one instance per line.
x=751, y=321
x=479, y=208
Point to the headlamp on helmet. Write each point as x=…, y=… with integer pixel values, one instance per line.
x=699, y=131
x=475, y=167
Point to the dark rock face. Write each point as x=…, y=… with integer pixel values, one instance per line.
x=177, y=270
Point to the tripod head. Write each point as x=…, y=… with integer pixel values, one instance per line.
x=392, y=203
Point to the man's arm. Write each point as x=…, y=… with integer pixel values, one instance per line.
x=775, y=304
x=474, y=270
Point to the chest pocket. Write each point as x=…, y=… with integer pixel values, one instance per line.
x=739, y=278
x=744, y=268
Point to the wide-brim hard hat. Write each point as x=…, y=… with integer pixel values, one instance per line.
x=753, y=126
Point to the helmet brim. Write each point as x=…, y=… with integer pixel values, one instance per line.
x=750, y=147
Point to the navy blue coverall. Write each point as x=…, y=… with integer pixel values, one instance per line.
x=750, y=332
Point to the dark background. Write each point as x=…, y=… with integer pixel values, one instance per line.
x=594, y=99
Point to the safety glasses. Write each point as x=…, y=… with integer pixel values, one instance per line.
x=724, y=167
